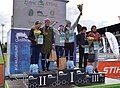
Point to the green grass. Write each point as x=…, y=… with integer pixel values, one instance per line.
x=107, y=86
x=102, y=86
x=1, y=60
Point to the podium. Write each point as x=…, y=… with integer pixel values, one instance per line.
x=64, y=77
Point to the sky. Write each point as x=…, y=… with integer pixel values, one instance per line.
x=95, y=12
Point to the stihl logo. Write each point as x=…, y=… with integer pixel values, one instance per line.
x=109, y=70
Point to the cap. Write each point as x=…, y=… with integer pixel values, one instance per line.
x=47, y=19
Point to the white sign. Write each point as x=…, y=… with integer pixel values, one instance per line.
x=62, y=38
x=26, y=12
x=40, y=39
x=86, y=49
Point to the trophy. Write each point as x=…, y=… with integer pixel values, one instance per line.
x=80, y=7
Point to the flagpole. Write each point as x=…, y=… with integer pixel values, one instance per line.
x=2, y=32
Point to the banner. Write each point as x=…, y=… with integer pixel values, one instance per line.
x=106, y=57
x=111, y=68
x=74, y=55
x=29, y=11
x=19, y=51
x=113, y=43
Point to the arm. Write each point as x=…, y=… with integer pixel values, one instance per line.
x=31, y=36
x=91, y=41
x=53, y=24
x=55, y=31
x=76, y=22
x=53, y=37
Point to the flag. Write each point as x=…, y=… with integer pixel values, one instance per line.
x=113, y=43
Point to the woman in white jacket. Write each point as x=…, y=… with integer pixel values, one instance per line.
x=59, y=42
x=69, y=42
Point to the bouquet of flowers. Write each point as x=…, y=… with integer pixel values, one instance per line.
x=80, y=7
x=90, y=39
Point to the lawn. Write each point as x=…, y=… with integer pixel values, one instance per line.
x=102, y=86
x=1, y=60
x=106, y=86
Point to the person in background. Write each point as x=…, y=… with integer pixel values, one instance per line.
x=94, y=45
x=95, y=34
x=59, y=42
x=34, y=34
x=69, y=41
x=83, y=44
x=47, y=44
x=4, y=47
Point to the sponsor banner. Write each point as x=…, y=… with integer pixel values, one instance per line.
x=106, y=56
x=28, y=11
x=113, y=43
x=1, y=74
x=111, y=68
x=19, y=49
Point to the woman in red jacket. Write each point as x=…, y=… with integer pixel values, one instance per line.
x=94, y=45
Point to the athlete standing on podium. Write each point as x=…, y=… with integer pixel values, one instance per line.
x=69, y=41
